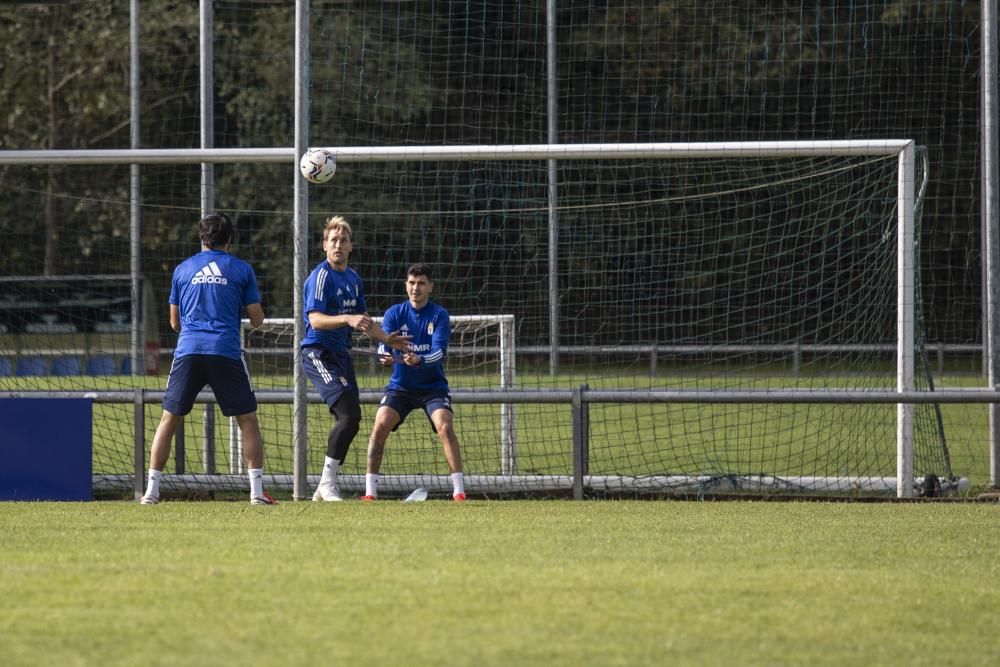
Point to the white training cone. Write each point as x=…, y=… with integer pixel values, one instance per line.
x=419, y=495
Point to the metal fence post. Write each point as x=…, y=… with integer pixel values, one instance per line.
x=209, y=438
x=139, y=413
x=581, y=440
x=180, y=454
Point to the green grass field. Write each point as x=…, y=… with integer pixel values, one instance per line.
x=499, y=583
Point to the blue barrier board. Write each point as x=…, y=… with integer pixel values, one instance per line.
x=45, y=449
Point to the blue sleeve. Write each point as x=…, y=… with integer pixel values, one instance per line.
x=174, y=292
x=388, y=326
x=313, y=298
x=439, y=339
x=252, y=293
x=389, y=320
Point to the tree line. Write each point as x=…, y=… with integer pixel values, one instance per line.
x=443, y=73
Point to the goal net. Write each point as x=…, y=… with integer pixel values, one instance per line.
x=747, y=269
x=706, y=269
x=762, y=271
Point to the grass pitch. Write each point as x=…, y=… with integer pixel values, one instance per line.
x=499, y=583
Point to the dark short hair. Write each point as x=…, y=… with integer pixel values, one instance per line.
x=215, y=230
x=420, y=270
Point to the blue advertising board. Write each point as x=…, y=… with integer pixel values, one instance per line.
x=45, y=449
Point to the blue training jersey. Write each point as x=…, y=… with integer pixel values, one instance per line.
x=211, y=289
x=430, y=329
x=332, y=292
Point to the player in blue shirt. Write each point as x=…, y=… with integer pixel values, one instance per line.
x=418, y=379
x=208, y=296
x=334, y=307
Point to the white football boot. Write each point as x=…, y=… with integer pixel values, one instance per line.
x=327, y=492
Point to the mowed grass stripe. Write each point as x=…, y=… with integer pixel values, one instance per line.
x=492, y=582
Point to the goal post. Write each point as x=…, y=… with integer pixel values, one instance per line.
x=906, y=298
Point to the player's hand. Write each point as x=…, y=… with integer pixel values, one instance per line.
x=387, y=360
x=411, y=359
x=398, y=341
x=361, y=323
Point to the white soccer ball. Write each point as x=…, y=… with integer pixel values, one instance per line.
x=318, y=165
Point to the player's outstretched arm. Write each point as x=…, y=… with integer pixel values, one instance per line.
x=395, y=340
x=319, y=320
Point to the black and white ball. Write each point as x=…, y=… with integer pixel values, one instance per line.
x=318, y=165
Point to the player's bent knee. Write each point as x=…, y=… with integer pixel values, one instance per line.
x=345, y=429
x=347, y=411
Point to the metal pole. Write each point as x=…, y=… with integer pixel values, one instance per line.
x=579, y=446
x=206, y=97
x=139, y=442
x=348, y=154
x=553, y=112
x=135, y=212
x=508, y=422
x=300, y=226
x=208, y=437
x=905, y=319
x=206, y=87
x=180, y=454
x=990, y=223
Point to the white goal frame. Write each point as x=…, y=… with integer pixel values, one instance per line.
x=506, y=356
x=904, y=150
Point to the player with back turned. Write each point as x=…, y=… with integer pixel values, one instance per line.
x=418, y=379
x=208, y=294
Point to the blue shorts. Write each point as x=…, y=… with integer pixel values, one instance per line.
x=229, y=379
x=404, y=402
x=332, y=373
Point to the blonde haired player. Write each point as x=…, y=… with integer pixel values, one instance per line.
x=334, y=307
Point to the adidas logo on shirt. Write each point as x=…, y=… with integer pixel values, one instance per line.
x=210, y=275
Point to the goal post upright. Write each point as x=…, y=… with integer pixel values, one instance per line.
x=508, y=423
x=905, y=318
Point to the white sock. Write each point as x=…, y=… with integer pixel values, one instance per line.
x=330, y=468
x=256, y=482
x=458, y=483
x=153, y=488
x=371, y=484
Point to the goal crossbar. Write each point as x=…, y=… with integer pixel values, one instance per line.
x=609, y=151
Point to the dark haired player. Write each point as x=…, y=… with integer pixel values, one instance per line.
x=208, y=296
x=418, y=379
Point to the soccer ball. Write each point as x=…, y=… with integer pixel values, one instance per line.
x=318, y=165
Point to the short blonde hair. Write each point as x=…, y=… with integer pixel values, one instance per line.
x=337, y=222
